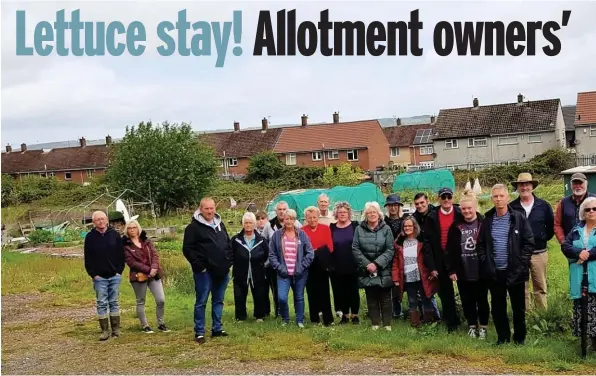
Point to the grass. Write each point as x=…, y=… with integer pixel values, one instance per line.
x=65, y=285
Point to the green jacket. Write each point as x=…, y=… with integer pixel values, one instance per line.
x=374, y=246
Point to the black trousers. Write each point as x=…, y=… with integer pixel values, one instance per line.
x=378, y=300
x=319, y=298
x=447, y=295
x=346, y=294
x=272, y=281
x=474, y=300
x=259, y=293
x=517, y=296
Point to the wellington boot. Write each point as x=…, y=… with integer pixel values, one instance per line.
x=105, y=329
x=115, y=322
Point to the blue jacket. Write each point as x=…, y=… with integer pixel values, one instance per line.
x=542, y=220
x=304, y=258
x=574, y=244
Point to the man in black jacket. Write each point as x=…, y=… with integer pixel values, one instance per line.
x=542, y=220
x=504, y=247
x=436, y=227
x=208, y=249
x=104, y=262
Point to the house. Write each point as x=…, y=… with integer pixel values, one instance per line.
x=569, y=118
x=585, y=124
x=410, y=145
x=510, y=132
x=74, y=164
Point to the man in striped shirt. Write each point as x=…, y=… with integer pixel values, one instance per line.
x=505, y=246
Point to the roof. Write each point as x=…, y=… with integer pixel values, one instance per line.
x=244, y=143
x=530, y=116
x=330, y=136
x=586, y=109
x=569, y=117
x=404, y=135
x=61, y=159
x=582, y=169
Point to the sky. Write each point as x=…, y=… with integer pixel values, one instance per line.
x=55, y=98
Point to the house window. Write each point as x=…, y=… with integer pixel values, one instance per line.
x=233, y=162
x=90, y=173
x=507, y=140
x=477, y=142
x=451, y=144
x=291, y=159
x=42, y=174
x=67, y=176
x=353, y=155
x=317, y=156
x=533, y=138
x=52, y=174
x=221, y=163
x=395, y=152
x=426, y=150
x=333, y=154
x=427, y=165
x=593, y=131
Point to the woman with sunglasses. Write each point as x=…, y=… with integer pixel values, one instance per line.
x=580, y=249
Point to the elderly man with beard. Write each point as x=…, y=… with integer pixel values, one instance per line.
x=540, y=215
x=567, y=211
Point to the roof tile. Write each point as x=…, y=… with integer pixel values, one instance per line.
x=586, y=108
x=244, y=143
x=403, y=135
x=73, y=158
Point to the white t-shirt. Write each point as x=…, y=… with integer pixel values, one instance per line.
x=527, y=208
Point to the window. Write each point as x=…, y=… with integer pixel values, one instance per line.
x=353, y=155
x=476, y=142
x=427, y=165
x=221, y=163
x=42, y=174
x=507, y=140
x=426, y=150
x=291, y=159
x=67, y=176
x=90, y=173
x=593, y=131
x=395, y=152
x=51, y=174
x=451, y=144
x=317, y=156
x=233, y=162
x=533, y=138
x=333, y=154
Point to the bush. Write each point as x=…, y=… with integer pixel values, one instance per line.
x=40, y=237
x=264, y=167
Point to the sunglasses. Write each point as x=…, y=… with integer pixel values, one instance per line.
x=446, y=197
x=587, y=210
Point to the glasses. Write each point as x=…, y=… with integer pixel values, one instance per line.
x=446, y=197
x=587, y=210
x=408, y=226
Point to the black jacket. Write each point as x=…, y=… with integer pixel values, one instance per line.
x=104, y=253
x=243, y=261
x=421, y=219
x=542, y=220
x=520, y=248
x=208, y=248
x=434, y=256
x=453, y=261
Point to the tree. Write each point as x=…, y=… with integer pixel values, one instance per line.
x=344, y=174
x=8, y=190
x=264, y=167
x=166, y=163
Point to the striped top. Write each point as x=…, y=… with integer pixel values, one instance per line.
x=290, y=253
x=500, y=235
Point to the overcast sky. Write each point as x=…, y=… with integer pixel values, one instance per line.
x=56, y=98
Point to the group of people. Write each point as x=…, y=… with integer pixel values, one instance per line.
x=501, y=252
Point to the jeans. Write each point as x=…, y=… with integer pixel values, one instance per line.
x=156, y=288
x=259, y=290
x=106, y=295
x=205, y=284
x=498, y=293
x=474, y=301
x=283, y=288
x=378, y=300
x=416, y=296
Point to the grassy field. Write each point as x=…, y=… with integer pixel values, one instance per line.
x=48, y=326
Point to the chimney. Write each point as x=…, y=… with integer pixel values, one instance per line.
x=23, y=147
x=475, y=102
x=304, y=120
x=398, y=121
x=264, y=124
x=83, y=142
x=108, y=140
x=236, y=126
x=335, y=117
x=432, y=119
x=8, y=148
x=520, y=98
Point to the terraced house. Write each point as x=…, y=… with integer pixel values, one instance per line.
x=411, y=146
x=585, y=124
x=510, y=132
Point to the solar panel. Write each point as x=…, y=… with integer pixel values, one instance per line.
x=423, y=136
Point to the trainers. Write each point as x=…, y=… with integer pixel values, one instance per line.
x=375, y=327
x=472, y=332
x=339, y=313
x=200, y=339
x=482, y=333
x=284, y=324
x=147, y=329
x=300, y=325
x=388, y=328
x=163, y=328
x=260, y=320
x=221, y=333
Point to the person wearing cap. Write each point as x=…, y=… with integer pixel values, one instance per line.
x=436, y=228
x=541, y=217
x=394, y=219
x=567, y=210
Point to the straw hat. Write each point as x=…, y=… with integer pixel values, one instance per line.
x=524, y=177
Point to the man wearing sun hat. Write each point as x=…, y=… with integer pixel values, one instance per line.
x=540, y=215
x=567, y=211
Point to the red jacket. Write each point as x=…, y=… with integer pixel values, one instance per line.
x=143, y=259
x=430, y=287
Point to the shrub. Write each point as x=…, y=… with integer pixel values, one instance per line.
x=41, y=236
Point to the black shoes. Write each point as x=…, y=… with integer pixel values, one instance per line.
x=221, y=333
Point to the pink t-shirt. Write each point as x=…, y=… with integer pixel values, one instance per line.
x=290, y=249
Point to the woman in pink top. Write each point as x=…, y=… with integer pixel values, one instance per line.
x=290, y=255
